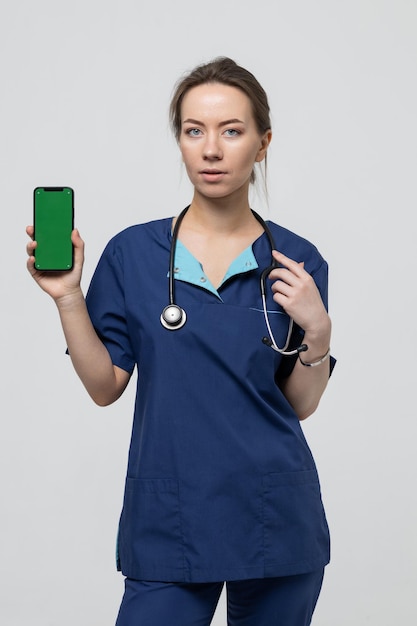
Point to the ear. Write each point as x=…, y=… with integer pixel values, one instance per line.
x=265, y=141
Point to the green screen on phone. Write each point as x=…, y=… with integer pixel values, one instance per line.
x=53, y=223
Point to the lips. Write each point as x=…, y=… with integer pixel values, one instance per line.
x=212, y=175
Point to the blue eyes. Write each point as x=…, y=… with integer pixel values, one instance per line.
x=229, y=132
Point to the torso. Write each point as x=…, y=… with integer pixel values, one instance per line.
x=221, y=484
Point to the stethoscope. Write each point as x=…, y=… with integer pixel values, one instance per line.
x=173, y=317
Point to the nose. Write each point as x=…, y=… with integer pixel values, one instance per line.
x=212, y=149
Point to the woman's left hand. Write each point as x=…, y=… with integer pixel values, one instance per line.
x=295, y=290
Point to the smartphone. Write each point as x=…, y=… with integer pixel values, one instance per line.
x=53, y=220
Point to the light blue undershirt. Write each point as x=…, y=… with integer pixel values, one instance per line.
x=188, y=269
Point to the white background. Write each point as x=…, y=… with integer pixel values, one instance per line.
x=85, y=88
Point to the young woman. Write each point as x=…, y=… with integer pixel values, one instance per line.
x=225, y=318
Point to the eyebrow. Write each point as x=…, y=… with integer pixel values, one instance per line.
x=233, y=120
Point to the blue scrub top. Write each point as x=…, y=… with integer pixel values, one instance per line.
x=221, y=484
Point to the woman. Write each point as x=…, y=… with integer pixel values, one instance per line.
x=221, y=485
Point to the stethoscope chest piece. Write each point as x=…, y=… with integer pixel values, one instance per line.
x=173, y=317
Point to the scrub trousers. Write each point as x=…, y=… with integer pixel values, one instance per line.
x=285, y=601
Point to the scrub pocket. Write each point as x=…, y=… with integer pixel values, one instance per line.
x=296, y=535
x=150, y=537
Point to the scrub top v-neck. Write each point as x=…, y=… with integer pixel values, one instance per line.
x=221, y=483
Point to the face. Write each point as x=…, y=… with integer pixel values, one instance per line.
x=219, y=141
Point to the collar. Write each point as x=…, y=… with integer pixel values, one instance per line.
x=188, y=269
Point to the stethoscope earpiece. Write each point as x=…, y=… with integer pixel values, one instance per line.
x=173, y=317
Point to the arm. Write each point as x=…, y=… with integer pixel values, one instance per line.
x=295, y=290
x=104, y=381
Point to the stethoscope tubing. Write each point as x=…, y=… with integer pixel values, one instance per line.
x=172, y=255
x=174, y=317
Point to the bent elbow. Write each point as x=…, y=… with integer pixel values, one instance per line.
x=102, y=402
x=305, y=415
x=307, y=411
x=105, y=394
x=103, y=399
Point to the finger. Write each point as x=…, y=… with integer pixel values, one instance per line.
x=30, y=264
x=284, y=275
x=76, y=238
x=294, y=266
x=30, y=230
x=30, y=247
x=281, y=287
x=78, y=244
x=283, y=259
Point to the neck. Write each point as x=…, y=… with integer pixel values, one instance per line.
x=219, y=215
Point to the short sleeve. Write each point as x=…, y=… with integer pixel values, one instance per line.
x=106, y=306
x=287, y=364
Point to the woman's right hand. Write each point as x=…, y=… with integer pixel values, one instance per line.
x=58, y=284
